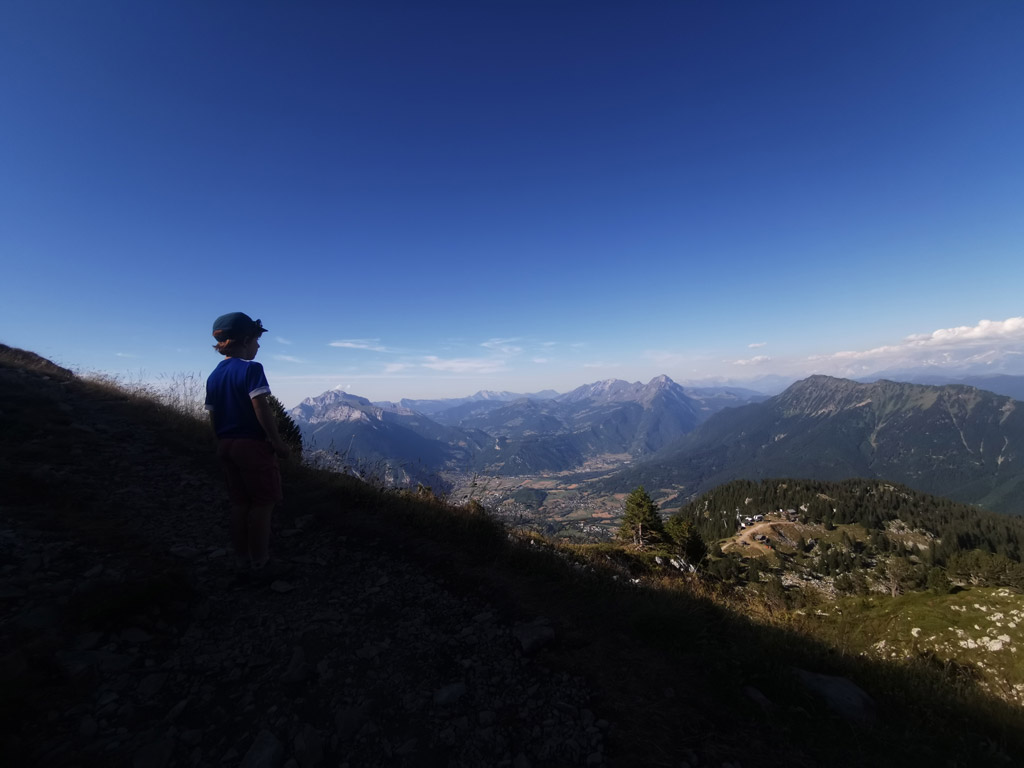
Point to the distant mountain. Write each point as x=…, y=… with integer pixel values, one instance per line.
x=465, y=412
x=502, y=433
x=615, y=391
x=397, y=444
x=955, y=441
x=1001, y=384
x=482, y=401
x=714, y=399
x=608, y=417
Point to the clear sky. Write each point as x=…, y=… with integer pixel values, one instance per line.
x=425, y=199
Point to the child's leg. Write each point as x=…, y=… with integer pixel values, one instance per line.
x=240, y=533
x=259, y=534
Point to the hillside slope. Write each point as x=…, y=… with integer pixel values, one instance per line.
x=128, y=639
x=407, y=633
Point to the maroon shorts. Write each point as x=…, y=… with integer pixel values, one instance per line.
x=250, y=467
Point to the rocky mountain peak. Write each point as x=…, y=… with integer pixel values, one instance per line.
x=486, y=394
x=333, y=405
x=822, y=395
x=606, y=390
x=619, y=391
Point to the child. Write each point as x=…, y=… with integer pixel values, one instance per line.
x=248, y=443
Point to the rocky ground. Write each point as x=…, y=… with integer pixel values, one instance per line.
x=129, y=639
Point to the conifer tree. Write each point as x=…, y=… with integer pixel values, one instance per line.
x=686, y=539
x=287, y=428
x=641, y=523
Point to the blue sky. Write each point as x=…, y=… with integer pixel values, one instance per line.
x=428, y=199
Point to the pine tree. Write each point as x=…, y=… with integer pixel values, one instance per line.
x=641, y=523
x=686, y=540
x=286, y=427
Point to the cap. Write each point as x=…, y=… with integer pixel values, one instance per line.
x=236, y=325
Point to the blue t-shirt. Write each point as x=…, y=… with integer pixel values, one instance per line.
x=229, y=393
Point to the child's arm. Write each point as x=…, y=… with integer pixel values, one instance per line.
x=265, y=416
x=213, y=427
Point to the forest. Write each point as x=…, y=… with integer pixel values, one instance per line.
x=963, y=543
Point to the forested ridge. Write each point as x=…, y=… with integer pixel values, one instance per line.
x=955, y=441
x=969, y=542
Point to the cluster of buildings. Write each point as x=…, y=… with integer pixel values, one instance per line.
x=787, y=515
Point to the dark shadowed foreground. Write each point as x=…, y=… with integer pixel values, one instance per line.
x=403, y=632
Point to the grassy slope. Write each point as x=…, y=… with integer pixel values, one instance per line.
x=668, y=659
x=974, y=634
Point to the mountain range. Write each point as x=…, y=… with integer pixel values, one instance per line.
x=953, y=440
x=394, y=444
x=508, y=434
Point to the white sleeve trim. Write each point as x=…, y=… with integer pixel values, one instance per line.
x=259, y=391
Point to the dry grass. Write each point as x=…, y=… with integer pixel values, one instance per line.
x=183, y=394
x=22, y=359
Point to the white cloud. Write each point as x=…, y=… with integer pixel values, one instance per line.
x=540, y=360
x=464, y=365
x=371, y=344
x=758, y=360
x=944, y=346
x=504, y=346
x=987, y=346
x=396, y=367
x=757, y=345
x=281, y=340
x=1011, y=329
x=288, y=359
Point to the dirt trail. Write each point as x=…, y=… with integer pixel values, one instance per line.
x=744, y=540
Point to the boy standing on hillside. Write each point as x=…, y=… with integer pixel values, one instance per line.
x=248, y=443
